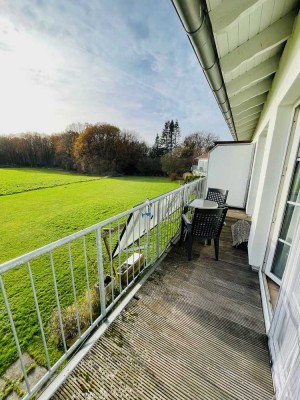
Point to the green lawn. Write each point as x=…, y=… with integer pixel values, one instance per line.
x=25, y=179
x=64, y=203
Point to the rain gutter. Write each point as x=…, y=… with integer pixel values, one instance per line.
x=196, y=23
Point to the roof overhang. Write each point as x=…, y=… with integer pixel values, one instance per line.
x=247, y=38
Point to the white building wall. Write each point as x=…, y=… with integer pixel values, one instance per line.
x=255, y=178
x=277, y=118
x=230, y=169
x=276, y=144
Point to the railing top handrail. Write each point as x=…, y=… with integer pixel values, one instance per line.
x=67, y=239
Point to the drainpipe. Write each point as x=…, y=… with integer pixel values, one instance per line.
x=195, y=20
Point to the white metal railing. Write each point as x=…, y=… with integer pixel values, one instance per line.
x=84, y=275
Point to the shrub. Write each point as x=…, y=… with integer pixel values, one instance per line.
x=69, y=319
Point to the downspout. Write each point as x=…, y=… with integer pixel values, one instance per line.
x=195, y=20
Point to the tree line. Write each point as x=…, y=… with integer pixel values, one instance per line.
x=106, y=149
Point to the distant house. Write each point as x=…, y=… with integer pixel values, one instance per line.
x=201, y=167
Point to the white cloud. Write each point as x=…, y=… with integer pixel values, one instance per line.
x=127, y=63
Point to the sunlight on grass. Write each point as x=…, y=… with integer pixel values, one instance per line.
x=37, y=217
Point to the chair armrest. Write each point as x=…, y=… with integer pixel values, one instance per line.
x=187, y=222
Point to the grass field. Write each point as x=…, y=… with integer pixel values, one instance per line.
x=41, y=206
x=26, y=179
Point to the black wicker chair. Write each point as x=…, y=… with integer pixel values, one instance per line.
x=217, y=195
x=206, y=225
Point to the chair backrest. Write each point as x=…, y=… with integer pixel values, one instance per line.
x=208, y=223
x=217, y=195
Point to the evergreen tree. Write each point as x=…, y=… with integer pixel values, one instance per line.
x=156, y=150
x=176, y=134
x=167, y=141
x=171, y=136
x=164, y=139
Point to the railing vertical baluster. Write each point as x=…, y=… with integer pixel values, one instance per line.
x=74, y=289
x=39, y=316
x=126, y=234
x=133, y=269
x=87, y=279
x=169, y=217
x=57, y=302
x=100, y=272
x=119, y=259
x=148, y=231
x=139, y=239
x=112, y=275
x=13, y=328
x=164, y=221
x=158, y=230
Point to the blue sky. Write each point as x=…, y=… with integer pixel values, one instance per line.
x=125, y=62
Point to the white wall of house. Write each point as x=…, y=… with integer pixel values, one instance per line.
x=230, y=169
x=256, y=170
x=272, y=172
x=277, y=119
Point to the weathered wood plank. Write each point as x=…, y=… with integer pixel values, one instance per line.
x=195, y=332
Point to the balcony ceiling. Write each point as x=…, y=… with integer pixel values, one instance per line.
x=250, y=36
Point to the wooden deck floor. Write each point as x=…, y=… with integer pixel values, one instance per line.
x=195, y=331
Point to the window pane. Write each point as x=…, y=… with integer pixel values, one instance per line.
x=295, y=187
x=280, y=259
x=290, y=222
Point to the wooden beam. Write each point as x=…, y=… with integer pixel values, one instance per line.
x=255, y=101
x=261, y=87
x=228, y=12
x=253, y=76
x=246, y=135
x=247, y=120
x=246, y=128
x=269, y=38
x=246, y=124
x=247, y=113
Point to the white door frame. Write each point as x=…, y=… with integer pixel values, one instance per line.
x=284, y=334
x=287, y=174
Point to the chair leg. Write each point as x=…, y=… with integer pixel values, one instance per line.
x=181, y=233
x=216, y=242
x=208, y=242
x=189, y=246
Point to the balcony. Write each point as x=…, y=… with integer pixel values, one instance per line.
x=164, y=328
x=195, y=330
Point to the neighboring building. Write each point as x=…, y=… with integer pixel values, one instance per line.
x=250, y=53
x=200, y=169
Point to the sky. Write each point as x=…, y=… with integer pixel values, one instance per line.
x=124, y=62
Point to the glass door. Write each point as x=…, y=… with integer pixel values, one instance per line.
x=289, y=224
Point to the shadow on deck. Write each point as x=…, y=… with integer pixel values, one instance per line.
x=195, y=331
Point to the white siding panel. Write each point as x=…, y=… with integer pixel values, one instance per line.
x=243, y=28
x=229, y=168
x=254, y=22
x=266, y=17
x=233, y=38
x=278, y=10
x=222, y=44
